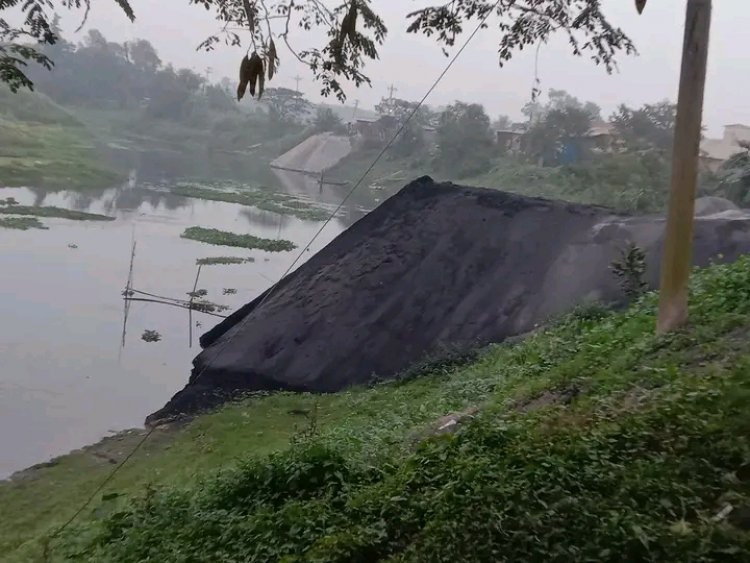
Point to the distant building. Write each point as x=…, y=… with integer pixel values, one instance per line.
x=714, y=152
x=367, y=131
x=600, y=137
x=509, y=141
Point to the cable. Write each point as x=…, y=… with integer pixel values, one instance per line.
x=103, y=484
x=236, y=329
x=362, y=178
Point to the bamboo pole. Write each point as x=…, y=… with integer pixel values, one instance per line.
x=678, y=239
x=126, y=292
x=190, y=310
x=172, y=304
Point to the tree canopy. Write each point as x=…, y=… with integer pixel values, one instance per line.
x=464, y=139
x=649, y=127
x=286, y=105
x=353, y=30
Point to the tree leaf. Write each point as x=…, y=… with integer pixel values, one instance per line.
x=640, y=5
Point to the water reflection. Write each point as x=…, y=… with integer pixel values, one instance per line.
x=128, y=197
x=149, y=193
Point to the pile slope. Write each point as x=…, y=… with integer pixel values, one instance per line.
x=436, y=267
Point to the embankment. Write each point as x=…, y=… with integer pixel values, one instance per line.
x=315, y=154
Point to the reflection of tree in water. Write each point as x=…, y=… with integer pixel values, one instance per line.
x=134, y=198
x=39, y=195
x=110, y=200
x=309, y=186
x=152, y=168
x=154, y=165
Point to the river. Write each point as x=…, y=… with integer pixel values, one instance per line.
x=65, y=379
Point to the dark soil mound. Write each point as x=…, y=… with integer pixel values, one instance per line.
x=435, y=266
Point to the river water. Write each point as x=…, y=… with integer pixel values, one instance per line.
x=65, y=380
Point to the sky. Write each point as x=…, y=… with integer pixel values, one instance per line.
x=411, y=63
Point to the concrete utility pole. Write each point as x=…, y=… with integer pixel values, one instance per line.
x=297, y=80
x=209, y=70
x=391, y=90
x=678, y=239
x=354, y=112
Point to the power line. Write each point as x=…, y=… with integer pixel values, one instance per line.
x=237, y=329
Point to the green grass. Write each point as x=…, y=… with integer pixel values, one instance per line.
x=390, y=172
x=267, y=201
x=594, y=441
x=225, y=238
x=627, y=182
x=33, y=107
x=20, y=223
x=58, y=212
x=222, y=261
x=51, y=156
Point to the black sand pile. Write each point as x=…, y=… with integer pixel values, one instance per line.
x=436, y=266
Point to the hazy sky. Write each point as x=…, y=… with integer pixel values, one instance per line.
x=411, y=63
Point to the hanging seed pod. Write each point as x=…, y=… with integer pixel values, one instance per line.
x=245, y=67
x=348, y=24
x=256, y=71
x=351, y=29
x=640, y=5
x=273, y=59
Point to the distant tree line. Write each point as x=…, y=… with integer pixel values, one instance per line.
x=105, y=74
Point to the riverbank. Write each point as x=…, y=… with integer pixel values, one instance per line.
x=50, y=147
x=591, y=435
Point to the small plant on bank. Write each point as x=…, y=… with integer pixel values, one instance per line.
x=630, y=269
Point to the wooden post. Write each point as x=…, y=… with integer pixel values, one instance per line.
x=678, y=238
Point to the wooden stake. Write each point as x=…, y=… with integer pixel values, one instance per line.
x=678, y=238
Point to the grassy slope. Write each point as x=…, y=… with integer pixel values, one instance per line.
x=595, y=440
x=42, y=144
x=51, y=156
x=47, y=146
x=390, y=173
x=625, y=182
